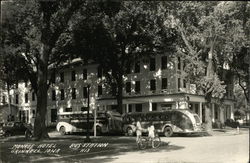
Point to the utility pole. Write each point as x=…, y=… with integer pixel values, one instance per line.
x=87, y=136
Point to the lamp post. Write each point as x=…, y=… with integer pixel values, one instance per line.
x=87, y=136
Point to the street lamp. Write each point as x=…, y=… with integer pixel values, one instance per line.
x=87, y=136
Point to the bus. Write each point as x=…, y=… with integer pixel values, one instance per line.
x=165, y=122
x=73, y=122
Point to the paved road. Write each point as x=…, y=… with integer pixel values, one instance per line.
x=227, y=147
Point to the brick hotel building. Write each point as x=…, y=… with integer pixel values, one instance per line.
x=152, y=85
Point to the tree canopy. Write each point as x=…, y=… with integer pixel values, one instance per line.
x=211, y=37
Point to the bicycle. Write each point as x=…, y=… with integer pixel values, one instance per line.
x=144, y=142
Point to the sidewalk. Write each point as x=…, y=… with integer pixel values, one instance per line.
x=229, y=131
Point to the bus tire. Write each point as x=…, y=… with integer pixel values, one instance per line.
x=168, y=132
x=62, y=130
x=130, y=131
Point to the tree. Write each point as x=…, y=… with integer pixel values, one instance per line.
x=125, y=32
x=38, y=37
x=11, y=75
x=207, y=34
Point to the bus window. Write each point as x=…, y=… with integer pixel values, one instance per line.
x=101, y=115
x=184, y=122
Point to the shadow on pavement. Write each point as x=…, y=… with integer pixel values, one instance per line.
x=117, y=146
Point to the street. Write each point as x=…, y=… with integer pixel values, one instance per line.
x=221, y=147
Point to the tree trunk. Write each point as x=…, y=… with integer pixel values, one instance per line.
x=40, y=130
x=208, y=117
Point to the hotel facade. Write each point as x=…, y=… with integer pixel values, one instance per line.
x=154, y=84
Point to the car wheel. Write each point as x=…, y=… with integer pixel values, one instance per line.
x=62, y=130
x=168, y=132
x=130, y=131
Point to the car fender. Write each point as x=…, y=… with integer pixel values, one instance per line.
x=68, y=127
x=166, y=125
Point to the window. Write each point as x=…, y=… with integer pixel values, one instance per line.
x=152, y=64
x=179, y=63
x=53, y=115
x=84, y=108
x=10, y=99
x=68, y=109
x=137, y=87
x=184, y=83
x=73, y=76
x=196, y=108
x=164, y=84
x=216, y=114
x=99, y=90
x=33, y=96
x=179, y=83
x=128, y=87
x=62, y=94
x=85, y=74
x=53, y=78
x=73, y=93
x=154, y=106
x=99, y=72
x=62, y=77
x=33, y=113
x=3, y=100
x=164, y=62
x=53, y=94
x=130, y=108
x=128, y=69
x=137, y=67
x=24, y=116
x=26, y=97
x=153, y=85
x=17, y=98
x=85, y=92
x=138, y=107
x=184, y=64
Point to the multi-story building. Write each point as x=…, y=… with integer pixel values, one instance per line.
x=150, y=85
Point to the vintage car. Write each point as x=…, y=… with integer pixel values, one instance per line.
x=14, y=128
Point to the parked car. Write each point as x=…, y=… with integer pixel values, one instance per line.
x=14, y=128
x=232, y=123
